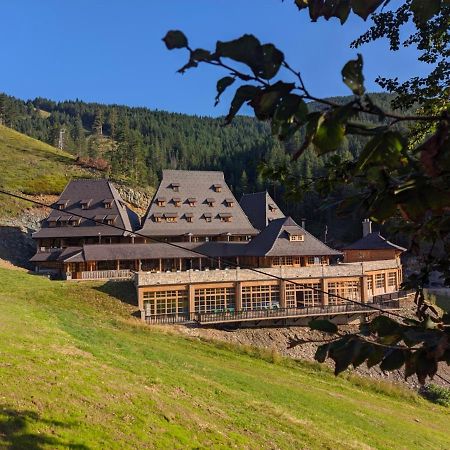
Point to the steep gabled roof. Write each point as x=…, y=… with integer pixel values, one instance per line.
x=95, y=192
x=274, y=241
x=195, y=188
x=260, y=208
x=374, y=241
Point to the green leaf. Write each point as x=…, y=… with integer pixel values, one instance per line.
x=375, y=357
x=243, y=94
x=352, y=75
x=385, y=148
x=365, y=351
x=175, y=39
x=424, y=10
x=264, y=60
x=222, y=84
x=329, y=136
x=393, y=361
x=323, y=325
x=289, y=116
x=265, y=103
x=363, y=8
x=384, y=326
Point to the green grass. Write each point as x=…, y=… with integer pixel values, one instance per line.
x=31, y=167
x=77, y=371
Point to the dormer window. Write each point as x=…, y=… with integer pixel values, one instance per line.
x=192, y=201
x=61, y=204
x=99, y=219
x=176, y=201
x=175, y=187
x=272, y=207
x=64, y=221
x=210, y=201
x=157, y=217
x=229, y=202
x=110, y=219
x=107, y=203
x=75, y=222
x=189, y=217
x=85, y=203
x=296, y=237
x=171, y=217
x=208, y=217
x=161, y=201
x=52, y=221
x=225, y=217
x=217, y=188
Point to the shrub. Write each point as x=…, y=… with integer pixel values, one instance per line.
x=437, y=394
x=93, y=163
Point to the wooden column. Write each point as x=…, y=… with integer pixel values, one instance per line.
x=191, y=299
x=160, y=265
x=238, y=296
x=282, y=294
x=324, y=287
x=363, y=288
x=385, y=282
x=117, y=265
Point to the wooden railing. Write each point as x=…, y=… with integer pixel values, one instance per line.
x=285, y=313
x=274, y=313
x=107, y=274
x=397, y=295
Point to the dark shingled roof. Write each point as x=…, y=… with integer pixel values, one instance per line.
x=274, y=241
x=258, y=208
x=108, y=252
x=374, y=241
x=198, y=185
x=97, y=191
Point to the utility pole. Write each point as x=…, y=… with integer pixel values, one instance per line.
x=61, y=139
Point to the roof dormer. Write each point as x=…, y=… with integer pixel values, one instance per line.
x=175, y=187
x=192, y=201
x=211, y=201
x=107, y=203
x=217, y=187
x=229, y=202
x=86, y=203
x=61, y=204
x=161, y=201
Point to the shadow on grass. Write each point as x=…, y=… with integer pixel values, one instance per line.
x=15, y=431
x=124, y=291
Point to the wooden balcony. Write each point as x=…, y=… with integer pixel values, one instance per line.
x=386, y=302
x=123, y=274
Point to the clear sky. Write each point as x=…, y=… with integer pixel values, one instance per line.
x=110, y=51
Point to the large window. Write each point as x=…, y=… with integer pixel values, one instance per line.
x=345, y=290
x=260, y=297
x=392, y=279
x=214, y=299
x=379, y=280
x=166, y=302
x=302, y=295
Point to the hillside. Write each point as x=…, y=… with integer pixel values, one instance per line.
x=77, y=371
x=33, y=168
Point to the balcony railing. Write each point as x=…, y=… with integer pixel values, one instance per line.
x=275, y=313
x=124, y=274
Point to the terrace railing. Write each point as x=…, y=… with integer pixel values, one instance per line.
x=274, y=313
x=123, y=274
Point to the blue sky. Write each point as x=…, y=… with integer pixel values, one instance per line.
x=110, y=51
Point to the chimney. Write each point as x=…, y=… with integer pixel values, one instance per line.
x=304, y=224
x=367, y=227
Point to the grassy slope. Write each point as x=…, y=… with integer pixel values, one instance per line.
x=32, y=167
x=73, y=377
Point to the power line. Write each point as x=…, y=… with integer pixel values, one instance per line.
x=172, y=244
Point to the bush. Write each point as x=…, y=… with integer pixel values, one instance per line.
x=93, y=163
x=437, y=394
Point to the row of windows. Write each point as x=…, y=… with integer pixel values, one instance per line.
x=211, y=202
x=214, y=299
x=260, y=297
x=215, y=187
x=380, y=279
x=166, y=302
x=171, y=218
x=341, y=290
x=303, y=295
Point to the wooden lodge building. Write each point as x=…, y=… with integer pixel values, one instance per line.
x=200, y=255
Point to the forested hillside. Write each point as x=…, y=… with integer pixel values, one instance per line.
x=135, y=144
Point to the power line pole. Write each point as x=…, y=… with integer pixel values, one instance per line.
x=61, y=139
